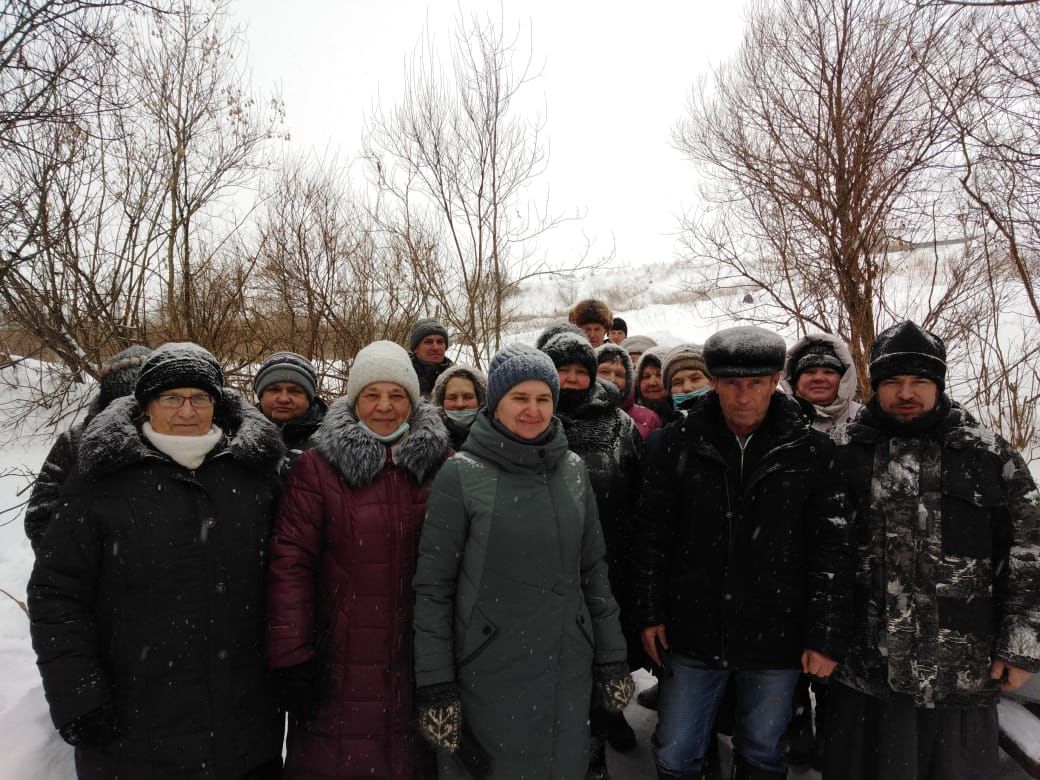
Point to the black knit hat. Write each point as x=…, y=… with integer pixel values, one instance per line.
x=555, y=330
x=620, y=324
x=907, y=348
x=286, y=367
x=567, y=348
x=424, y=328
x=179, y=364
x=744, y=351
x=119, y=374
x=817, y=354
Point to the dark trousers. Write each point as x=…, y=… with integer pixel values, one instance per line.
x=891, y=739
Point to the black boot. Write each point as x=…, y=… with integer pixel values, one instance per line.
x=619, y=734
x=648, y=698
x=597, y=759
x=744, y=771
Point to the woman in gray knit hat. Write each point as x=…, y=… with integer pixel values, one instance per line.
x=514, y=619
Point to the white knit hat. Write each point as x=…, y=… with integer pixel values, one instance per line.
x=382, y=361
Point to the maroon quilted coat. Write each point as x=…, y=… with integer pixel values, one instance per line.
x=342, y=558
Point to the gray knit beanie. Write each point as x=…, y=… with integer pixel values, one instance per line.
x=119, y=373
x=286, y=367
x=424, y=328
x=638, y=344
x=178, y=364
x=518, y=363
x=744, y=351
x=682, y=357
x=382, y=361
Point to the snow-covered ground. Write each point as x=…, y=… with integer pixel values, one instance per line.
x=29, y=745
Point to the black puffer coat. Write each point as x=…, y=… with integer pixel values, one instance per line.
x=608, y=441
x=744, y=570
x=148, y=595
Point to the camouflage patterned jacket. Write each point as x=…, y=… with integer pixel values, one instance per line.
x=948, y=559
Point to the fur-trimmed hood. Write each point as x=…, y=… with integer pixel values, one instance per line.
x=359, y=457
x=843, y=409
x=113, y=438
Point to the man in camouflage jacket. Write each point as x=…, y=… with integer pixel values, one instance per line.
x=947, y=598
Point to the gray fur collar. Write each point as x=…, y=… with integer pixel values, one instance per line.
x=359, y=457
x=112, y=439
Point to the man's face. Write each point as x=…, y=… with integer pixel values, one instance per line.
x=617, y=336
x=745, y=400
x=283, y=401
x=818, y=385
x=907, y=396
x=595, y=333
x=431, y=350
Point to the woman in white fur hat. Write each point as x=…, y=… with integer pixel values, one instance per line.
x=339, y=587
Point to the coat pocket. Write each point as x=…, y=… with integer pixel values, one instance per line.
x=969, y=507
x=476, y=636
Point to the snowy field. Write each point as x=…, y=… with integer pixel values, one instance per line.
x=28, y=743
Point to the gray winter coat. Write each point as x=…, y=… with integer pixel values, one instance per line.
x=513, y=602
x=844, y=409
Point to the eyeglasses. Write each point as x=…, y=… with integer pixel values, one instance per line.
x=203, y=401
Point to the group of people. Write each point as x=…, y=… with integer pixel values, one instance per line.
x=447, y=573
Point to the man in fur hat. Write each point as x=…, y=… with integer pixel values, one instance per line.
x=593, y=317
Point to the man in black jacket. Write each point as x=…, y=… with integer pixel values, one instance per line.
x=427, y=344
x=286, y=388
x=947, y=595
x=744, y=564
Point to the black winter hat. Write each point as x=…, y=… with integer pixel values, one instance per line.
x=424, y=328
x=620, y=324
x=744, y=351
x=179, y=364
x=286, y=367
x=119, y=373
x=555, y=330
x=907, y=348
x=817, y=354
x=566, y=348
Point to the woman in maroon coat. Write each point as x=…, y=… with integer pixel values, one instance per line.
x=342, y=556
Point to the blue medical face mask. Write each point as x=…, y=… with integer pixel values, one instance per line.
x=389, y=439
x=678, y=399
x=462, y=416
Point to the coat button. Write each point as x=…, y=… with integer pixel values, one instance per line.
x=487, y=630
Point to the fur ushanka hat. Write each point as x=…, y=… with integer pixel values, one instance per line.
x=591, y=311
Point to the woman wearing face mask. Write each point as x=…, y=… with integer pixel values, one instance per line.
x=340, y=601
x=685, y=375
x=459, y=392
x=514, y=619
x=614, y=365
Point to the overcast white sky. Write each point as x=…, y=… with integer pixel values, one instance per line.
x=614, y=82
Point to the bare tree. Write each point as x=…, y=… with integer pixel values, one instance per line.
x=455, y=166
x=817, y=146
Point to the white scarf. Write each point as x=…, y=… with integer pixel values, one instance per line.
x=189, y=451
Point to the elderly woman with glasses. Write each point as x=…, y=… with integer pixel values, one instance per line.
x=147, y=598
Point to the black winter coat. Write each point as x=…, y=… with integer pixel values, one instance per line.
x=55, y=470
x=428, y=374
x=744, y=571
x=148, y=594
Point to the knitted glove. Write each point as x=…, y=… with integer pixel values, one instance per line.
x=440, y=715
x=614, y=684
x=93, y=729
x=297, y=690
